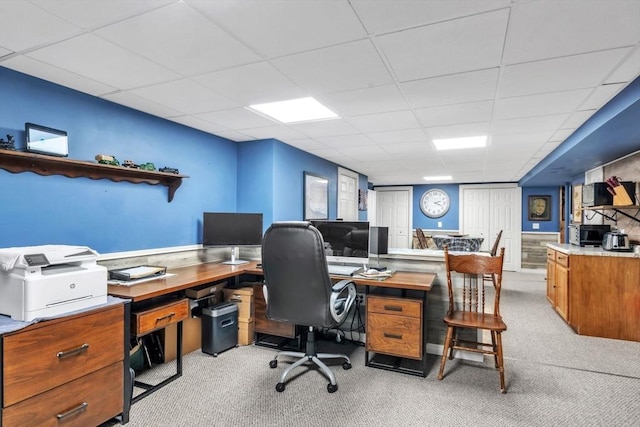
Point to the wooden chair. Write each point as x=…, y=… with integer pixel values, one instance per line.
x=467, y=307
x=422, y=239
x=493, y=252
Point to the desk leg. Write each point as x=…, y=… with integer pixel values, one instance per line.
x=149, y=388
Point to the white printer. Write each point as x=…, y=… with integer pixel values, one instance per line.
x=49, y=280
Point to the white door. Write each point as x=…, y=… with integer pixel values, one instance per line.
x=372, y=208
x=347, y=195
x=394, y=206
x=487, y=209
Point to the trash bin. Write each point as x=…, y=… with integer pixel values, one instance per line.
x=219, y=328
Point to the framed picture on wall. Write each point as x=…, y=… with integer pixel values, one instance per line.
x=316, y=197
x=539, y=208
x=362, y=200
x=577, y=204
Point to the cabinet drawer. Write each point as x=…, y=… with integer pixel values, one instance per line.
x=562, y=259
x=394, y=335
x=160, y=316
x=397, y=306
x=86, y=401
x=551, y=255
x=47, y=356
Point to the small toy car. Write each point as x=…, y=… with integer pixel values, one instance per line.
x=106, y=159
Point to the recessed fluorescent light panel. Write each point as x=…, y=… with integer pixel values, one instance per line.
x=460, y=143
x=295, y=110
x=438, y=178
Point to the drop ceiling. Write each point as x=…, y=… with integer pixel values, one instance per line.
x=399, y=73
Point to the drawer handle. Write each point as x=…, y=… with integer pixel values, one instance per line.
x=168, y=316
x=393, y=307
x=80, y=408
x=74, y=352
x=394, y=336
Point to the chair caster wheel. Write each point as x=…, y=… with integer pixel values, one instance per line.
x=332, y=388
x=273, y=364
x=280, y=387
x=346, y=366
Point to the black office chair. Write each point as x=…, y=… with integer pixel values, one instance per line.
x=298, y=289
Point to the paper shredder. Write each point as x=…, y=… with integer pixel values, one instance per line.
x=219, y=328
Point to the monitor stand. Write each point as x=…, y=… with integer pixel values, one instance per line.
x=233, y=260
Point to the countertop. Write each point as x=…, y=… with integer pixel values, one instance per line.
x=569, y=249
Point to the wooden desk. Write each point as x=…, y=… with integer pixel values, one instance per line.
x=192, y=276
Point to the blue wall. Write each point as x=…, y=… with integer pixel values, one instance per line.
x=224, y=176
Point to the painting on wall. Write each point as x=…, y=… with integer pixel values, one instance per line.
x=577, y=204
x=539, y=208
x=316, y=197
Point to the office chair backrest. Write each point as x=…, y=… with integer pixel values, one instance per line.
x=296, y=274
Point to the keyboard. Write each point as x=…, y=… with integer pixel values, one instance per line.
x=343, y=270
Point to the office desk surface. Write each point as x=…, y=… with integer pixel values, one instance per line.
x=195, y=275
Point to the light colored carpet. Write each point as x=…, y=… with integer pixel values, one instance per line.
x=554, y=377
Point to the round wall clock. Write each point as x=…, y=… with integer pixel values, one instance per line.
x=435, y=203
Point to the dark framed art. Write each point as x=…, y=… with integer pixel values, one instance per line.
x=316, y=197
x=539, y=208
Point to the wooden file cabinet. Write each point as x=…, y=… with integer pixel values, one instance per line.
x=67, y=371
x=394, y=326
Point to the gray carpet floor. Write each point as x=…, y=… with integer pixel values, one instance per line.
x=554, y=377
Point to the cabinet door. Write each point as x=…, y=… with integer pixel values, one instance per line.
x=551, y=282
x=562, y=291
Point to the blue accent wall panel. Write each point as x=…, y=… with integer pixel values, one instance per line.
x=450, y=220
x=108, y=216
x=255, y=179
x=545, y=226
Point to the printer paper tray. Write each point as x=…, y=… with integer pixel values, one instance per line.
x=139, y=272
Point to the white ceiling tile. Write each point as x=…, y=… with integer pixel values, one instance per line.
x=252, y=84
x=236, y=119
x=102, y=61
x=50, y=73
x=578, y=118
x=455, y=114
x=321, y=128
x=338, y=142
x=277, y=28
x=447, y=47
x=458, y=131
x=42, y=27
x=549, y=29
x=345, y=67
x=454, y=89
x=92, y=13
x=507, y=144
x=398, y=136
x=141, y=104
x=538, y=105
x=553, y=75
x=197, y=123
x=414, y=149
x=180, y=39
x=529, y=124
x=235, y=136
x=380, y=122
x=382, y=16
x=600, y=96
x=365, y=101
x=561, y=134
x=628, y=70
x=279, y=132
x=5, y=52
x=185, y=96
x=305, y=144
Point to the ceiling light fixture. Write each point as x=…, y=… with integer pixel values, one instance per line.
x=460, y=143
x=294, y=110
x=438, y=178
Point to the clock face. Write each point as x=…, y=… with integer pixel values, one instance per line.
x=435, y=203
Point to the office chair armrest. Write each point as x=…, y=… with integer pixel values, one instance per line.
x=340, y=285
x=342, y=298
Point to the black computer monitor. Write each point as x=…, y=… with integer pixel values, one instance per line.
x=345, y=241
x=232, y=229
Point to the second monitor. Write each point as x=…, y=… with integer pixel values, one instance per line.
x=345, y=241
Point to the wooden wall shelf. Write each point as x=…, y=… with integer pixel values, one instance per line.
x=18, y=161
